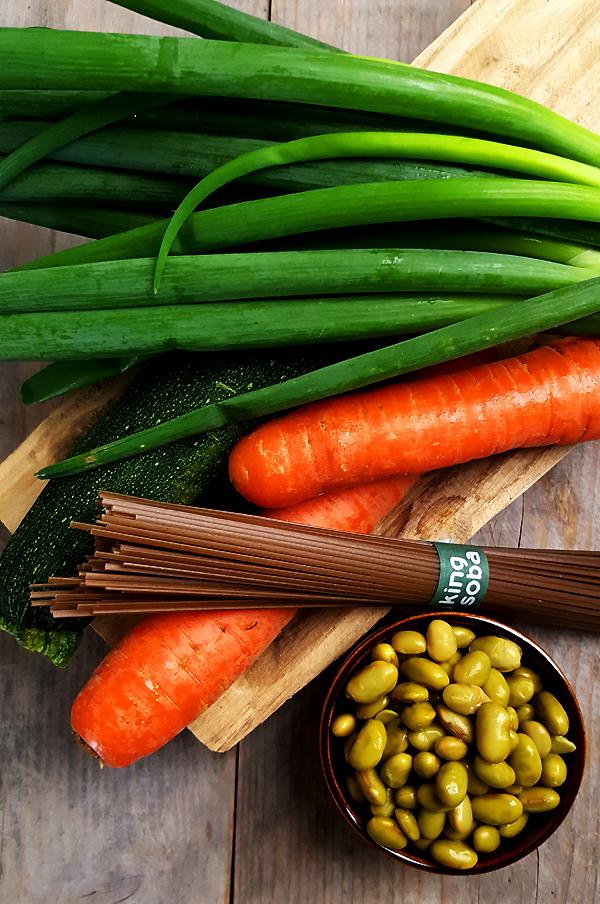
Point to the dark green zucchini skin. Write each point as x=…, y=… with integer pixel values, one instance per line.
x=45, y=545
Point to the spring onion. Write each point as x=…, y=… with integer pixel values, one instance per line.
x=196, y=155
x=456, y=149
x=507, y=323
x=90, y=222
x=185, y=66
x=198, y=279
x=211, y=19
x=66, y=336
x=63, y=376
x=346, y=205
x=90, y=118
x=61, y=181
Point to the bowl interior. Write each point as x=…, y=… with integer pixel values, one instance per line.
x=539, y=826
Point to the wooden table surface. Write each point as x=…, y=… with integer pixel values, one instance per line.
x=253, y=826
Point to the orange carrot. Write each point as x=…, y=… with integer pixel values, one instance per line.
x=547, y=396
x=356, y=509
x=163, y=674
x=170, y=668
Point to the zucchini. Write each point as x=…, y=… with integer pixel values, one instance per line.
x=45, y=545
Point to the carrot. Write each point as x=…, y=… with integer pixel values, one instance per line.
x=163, y=674
x=355, y=509
x=547, y=396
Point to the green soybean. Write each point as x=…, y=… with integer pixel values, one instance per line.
x=496, y=809
x=372, y=682
x=504, y=654
x=454, y=854
x=551, y=712
x=451, y=783
x=526, y=761
x=539, y=799
x=554, y=770
x=386, y=832
x=367, y=749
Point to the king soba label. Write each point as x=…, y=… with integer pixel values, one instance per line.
x=464, y=576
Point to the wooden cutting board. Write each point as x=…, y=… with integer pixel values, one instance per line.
x=546, y=49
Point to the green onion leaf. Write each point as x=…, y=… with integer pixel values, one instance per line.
x=452, y=148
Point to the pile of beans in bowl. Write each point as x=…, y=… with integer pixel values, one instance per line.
x=451, y=743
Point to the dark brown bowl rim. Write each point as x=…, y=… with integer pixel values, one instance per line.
x=496, y=860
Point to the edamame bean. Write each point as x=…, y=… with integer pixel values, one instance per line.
x=431, y=825
x=513, y=789
x=514, y=719
x=343, y=725
x=554, y=771
x=418, y=716
x=451, y=784
x=525, y=713
x=450, y=748
x=424, y=671
x=486, y=839
x=408, y=823
x=448, y=665
x=475, y=786
x=539, y=799
x=385, y=809
x=371, y=786
x=526, y=761
x=372, y=682
x=539, y=734
x=559, y=744
x=496, y=809
x=385, y=652
x=473, y=668
x=551, y=713
x=410, y=692
x=426, y=737
x=396, y=769
x=397, y=742
x=354, y=789
x=496, y=775
x=492, y=726
x=348, y=744
x=441, y=640
x=406, y=797
x=426, y=764
x=454, y=854
x=496, y=687
x=505, y=655
x=370, y=710
x=464, y=698
x=422, y=843
x=521, y=689
x=514, y=740
x=525, y=672
x=455, y=723
x=408, y=643
x=464, y=636
x=387, y=833
x=513, y=828
x=387, y=716
x=461, y=819
x=428, y=799
x=368, y=747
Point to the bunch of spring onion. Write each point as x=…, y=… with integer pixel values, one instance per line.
x=243, y=196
